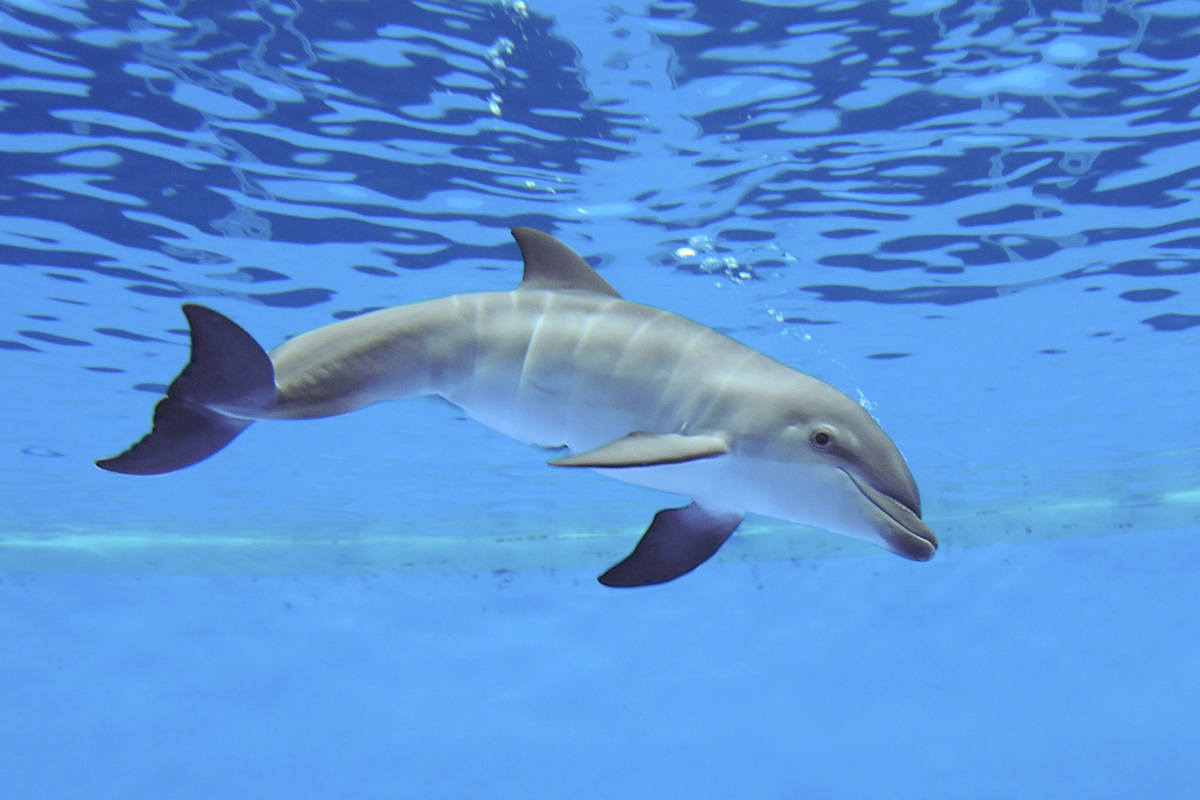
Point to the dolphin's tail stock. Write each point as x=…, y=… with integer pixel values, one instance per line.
x=227, y=383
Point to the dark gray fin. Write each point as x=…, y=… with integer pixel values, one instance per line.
x=677, y=541
x=214, y=399
x=183, y=434
x=551, y=265
x=647, y=450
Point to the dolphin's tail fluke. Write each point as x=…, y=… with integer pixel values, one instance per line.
x=226, y=385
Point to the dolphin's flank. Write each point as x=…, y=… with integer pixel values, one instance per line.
x=635, y=392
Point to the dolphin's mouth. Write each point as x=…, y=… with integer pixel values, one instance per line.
x=909, y=536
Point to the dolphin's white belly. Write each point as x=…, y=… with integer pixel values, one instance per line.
x=824, y=498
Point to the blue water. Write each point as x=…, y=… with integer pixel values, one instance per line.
x=980, y=219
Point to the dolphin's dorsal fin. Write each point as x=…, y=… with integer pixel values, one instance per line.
x=647, y=450
x=551, y=265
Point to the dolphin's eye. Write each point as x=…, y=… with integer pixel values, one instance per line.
x=821, y=439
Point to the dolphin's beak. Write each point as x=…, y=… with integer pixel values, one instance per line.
x=899, y=526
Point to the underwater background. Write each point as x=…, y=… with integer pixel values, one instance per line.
x=980, y=219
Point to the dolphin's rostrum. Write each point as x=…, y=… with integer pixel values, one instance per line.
x=635, y=392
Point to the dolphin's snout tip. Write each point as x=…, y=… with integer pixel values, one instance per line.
x=922, y=545
x=917, y=542
x=899, y=526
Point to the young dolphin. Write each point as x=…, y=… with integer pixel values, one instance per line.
x=634, y=392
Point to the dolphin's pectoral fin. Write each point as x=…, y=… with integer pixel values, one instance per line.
x=213, y=400
x=647, y=450
x=677, y=541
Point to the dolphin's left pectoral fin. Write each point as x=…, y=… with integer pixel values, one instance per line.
x=677, y=541
x=647, y=450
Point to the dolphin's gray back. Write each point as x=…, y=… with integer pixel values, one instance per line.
x=549, y=367
x=580, y=369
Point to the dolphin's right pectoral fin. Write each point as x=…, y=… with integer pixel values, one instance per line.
x=677, y=541
x=647, y=450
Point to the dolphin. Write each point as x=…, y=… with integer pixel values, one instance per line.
x=633, y=392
